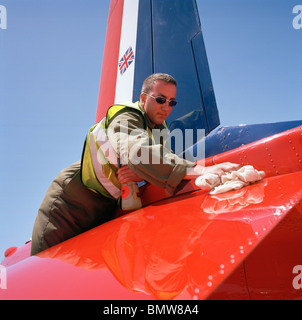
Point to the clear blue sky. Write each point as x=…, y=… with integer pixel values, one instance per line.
x=50, y=66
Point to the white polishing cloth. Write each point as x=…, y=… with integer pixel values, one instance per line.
x=230, y=181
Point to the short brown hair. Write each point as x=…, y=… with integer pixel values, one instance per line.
x=148, y=83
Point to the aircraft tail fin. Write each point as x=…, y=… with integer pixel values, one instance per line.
x=149, y=36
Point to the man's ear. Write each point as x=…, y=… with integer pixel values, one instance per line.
x=143, y=99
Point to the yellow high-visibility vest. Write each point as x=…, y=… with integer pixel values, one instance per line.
x=99, y=160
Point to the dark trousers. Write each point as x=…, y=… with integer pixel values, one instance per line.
x=68, y=209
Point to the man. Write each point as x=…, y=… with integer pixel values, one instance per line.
x=86, y=194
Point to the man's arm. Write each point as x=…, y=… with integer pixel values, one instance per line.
x=153, y=162
x=150, y=161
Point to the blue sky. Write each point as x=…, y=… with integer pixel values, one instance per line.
x=50, y=67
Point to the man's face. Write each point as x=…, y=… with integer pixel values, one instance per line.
x=156, y=112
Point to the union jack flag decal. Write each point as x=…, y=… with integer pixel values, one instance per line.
x=126, y=60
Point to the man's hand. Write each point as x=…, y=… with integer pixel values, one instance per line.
x=218, y=169
x=125, y=174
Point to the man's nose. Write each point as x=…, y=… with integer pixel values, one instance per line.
x=165, y=106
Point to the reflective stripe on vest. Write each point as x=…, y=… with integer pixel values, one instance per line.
x=97, y=172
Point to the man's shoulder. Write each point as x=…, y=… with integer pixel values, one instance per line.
x=123, y=108
x=126, y=112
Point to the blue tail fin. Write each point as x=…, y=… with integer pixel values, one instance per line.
x=169, y=40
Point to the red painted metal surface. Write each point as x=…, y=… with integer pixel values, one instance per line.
x=185, y=246
x=269, y=269
x=267, y=273
x=276, y=155
x=181, y=248
x=18, y=255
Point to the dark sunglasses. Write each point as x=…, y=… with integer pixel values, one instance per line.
x=161, y=100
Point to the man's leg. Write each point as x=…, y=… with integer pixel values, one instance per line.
x=68, y=209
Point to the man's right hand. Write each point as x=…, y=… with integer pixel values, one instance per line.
x=218, y=169
x=125, y=174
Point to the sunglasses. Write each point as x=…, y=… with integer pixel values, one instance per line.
x=161, y=100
